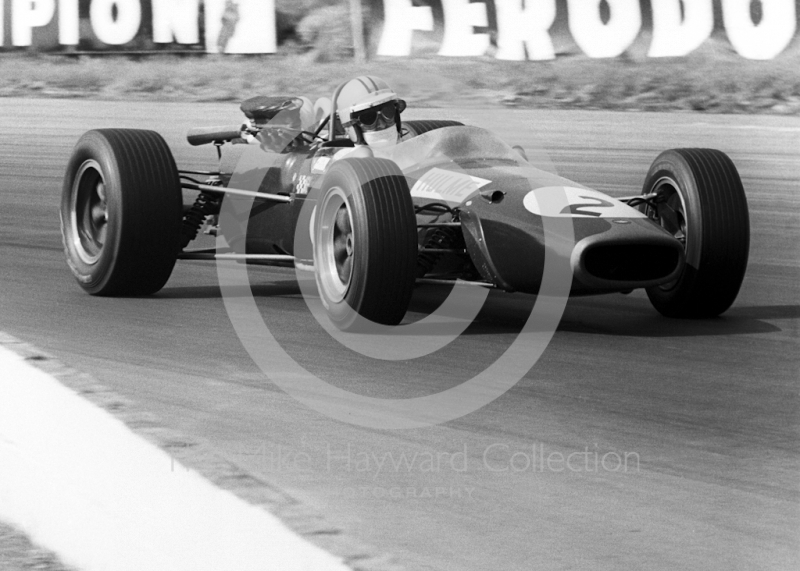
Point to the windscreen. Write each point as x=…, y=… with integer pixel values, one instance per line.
x=456, y=144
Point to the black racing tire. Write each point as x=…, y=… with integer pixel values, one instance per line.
x=121, y=212
x=418, y=127
x=365, y=243
x=703, y=204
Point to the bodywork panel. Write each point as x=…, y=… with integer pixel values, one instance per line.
x=494, y=190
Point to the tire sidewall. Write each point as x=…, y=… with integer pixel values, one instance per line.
x=671, y=165
x=341, y=312
x=93, y=277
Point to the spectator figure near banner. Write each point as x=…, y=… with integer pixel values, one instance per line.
x=230, y=17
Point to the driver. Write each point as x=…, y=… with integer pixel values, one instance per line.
x=370, y=112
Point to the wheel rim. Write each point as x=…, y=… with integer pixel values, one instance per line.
x=89, y=212
x=670, y=214
x=335, y=245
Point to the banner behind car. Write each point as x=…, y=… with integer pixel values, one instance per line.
x=229, y=26
x=505, y=29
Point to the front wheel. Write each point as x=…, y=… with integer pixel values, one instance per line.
x=365, y=243
x=700, y=200
x=121, y=212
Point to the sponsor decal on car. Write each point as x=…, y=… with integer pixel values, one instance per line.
x=447, y=186
x=303, y=184
x=320, y=164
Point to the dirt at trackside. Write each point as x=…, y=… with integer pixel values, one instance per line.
x=18, y=553
x=712, y=79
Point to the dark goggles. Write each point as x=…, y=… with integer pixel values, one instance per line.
x=368, y=119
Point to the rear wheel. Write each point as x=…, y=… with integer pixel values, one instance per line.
x=121, y=212
x=365, y=243
x=702, y=203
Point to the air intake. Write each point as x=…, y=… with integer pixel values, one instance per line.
x=630, y=262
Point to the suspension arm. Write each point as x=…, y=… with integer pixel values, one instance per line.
x=236, y=192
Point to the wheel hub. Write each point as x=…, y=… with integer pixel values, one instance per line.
x=335, y=249
x=89, y=212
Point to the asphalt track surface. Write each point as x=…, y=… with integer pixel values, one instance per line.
x=706, y=411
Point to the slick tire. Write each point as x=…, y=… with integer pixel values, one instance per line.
x=121, y=212
x=416, y=128
x=702, y=203
x=365, y=243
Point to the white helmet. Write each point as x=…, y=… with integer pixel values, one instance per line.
x=369, y=106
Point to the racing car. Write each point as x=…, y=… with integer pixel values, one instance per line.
x=450, y=203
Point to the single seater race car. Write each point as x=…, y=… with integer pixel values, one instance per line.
x=449, y=202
